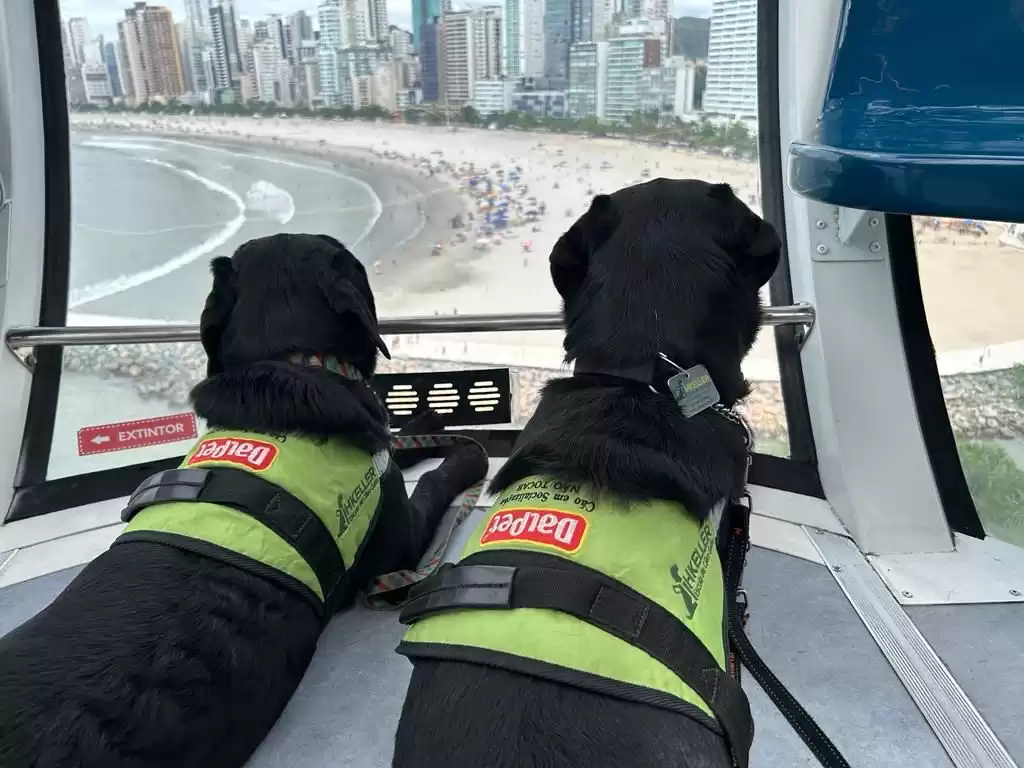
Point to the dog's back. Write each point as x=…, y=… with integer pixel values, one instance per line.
x=162, y=653
x=665, y=268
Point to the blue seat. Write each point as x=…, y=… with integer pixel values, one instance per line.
x=924, y=111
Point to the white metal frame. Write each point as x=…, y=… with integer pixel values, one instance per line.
x=871, y=455
x=22, y=168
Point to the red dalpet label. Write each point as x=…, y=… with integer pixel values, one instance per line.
x=256, y=455
x=547, y=527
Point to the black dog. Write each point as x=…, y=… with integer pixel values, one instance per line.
x=666, y=268
x=167, y=651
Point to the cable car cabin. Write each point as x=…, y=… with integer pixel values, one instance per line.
x=885, y=583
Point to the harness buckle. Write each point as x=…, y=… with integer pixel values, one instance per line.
x=453, y=587
x=166, y=486
x=743, y=603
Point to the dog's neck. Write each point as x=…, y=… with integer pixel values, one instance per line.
x=326, y=362
x=620, y=434
x=317, y=396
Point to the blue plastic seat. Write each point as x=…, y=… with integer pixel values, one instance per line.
x=924, y=111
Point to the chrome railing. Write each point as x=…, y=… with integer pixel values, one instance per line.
x=78, y=336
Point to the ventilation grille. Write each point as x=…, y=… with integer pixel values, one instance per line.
x=462, y=398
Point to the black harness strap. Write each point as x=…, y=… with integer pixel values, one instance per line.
x=736, y=529
x=265, y=502
x=568, y=587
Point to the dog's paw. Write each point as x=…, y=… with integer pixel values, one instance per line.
x=428, y=422
x=465, y=465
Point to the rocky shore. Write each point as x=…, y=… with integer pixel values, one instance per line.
x=981, y=405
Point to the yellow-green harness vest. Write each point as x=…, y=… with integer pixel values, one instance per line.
x=337, y=481
x=654, y=547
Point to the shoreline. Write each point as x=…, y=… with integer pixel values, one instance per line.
x=983, y=398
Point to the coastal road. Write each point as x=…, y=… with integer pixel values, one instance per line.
x=148, y=214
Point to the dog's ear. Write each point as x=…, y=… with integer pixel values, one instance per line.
x=765, y=250
x=570, y=258
x=765, y=247
x=343, y=298
x=219, y=304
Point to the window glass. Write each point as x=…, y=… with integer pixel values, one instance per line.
x=199, y=125
x=971, y=279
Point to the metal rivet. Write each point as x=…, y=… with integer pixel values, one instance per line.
x=873, y=221
x=1015, y=592
x=875, y=247
x=820, y=224
x=907, y=594
x=822, y=248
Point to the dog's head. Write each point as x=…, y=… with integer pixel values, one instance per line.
x=669, y=266
x=288, y=294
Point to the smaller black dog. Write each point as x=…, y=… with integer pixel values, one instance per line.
x=599, y=639
x=182, y=643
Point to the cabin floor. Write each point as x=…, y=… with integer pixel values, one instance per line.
x=802, y=623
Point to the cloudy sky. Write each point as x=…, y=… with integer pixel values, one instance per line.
x=104, y=14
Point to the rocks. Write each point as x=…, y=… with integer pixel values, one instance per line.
x=981, y=405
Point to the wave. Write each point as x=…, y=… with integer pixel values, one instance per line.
x=121, y=283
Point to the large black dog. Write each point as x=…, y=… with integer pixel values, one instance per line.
x=560, y=670
x=164, y=653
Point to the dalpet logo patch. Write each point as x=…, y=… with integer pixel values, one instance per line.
x=256, y=455
x=547, y=527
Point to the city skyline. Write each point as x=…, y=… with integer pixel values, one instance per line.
x=103, y=15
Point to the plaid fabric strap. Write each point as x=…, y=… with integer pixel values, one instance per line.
x=389, y=591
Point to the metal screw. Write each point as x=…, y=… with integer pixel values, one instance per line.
x=1015, y=592
x=873, y=221
x=820, y=224
x=875, y=247
x=822, y=249
x=907, y=594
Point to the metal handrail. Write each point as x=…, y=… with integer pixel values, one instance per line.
x=79, y=336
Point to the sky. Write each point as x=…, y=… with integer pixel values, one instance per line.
x=103, y=15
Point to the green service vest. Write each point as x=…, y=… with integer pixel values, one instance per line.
x=337, y=481
x=654, y=547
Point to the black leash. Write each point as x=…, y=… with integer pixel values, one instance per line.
x=736, y=528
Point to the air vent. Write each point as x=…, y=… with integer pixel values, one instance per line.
x=462, y=398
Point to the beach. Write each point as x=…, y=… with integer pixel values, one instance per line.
x=419, y=264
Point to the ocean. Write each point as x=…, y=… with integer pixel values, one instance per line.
x=148, y=214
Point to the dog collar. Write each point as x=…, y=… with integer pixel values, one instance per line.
x=649, y=376
x=328, y=363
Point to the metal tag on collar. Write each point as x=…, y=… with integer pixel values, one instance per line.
x=691, y=388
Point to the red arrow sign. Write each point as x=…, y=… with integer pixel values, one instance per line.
x=125, y=435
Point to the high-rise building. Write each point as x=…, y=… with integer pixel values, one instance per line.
x=270, y=69
x=425, y=12
x=153, y=55
x=79, y=37
x=197, y=20
x=558, y=36
x=67, y=48
x=532, y=28
x=329, y=50
x=400, y=41
x=513, y=38
x=377, y=14
x=732, y=59
x=110, y=60
x=588, y=77
x=635, y=48
x=225, y=56
x=471, y=50
x=300, y=30
x=432, y=83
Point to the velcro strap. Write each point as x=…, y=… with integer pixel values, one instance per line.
x=265, y=502
x=601, y=601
